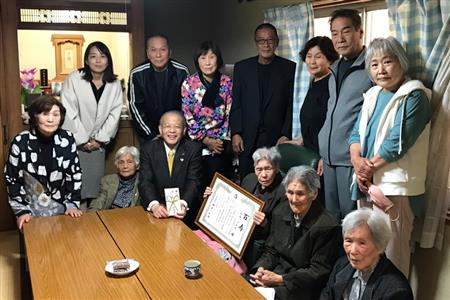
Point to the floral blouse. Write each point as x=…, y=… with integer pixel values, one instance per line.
x=43, y=188
x=205, y=121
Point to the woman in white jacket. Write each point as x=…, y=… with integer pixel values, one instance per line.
x=92, y=96
x=389, y=145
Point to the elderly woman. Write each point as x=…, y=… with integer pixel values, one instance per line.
x=366, y=273
x=93, y=98
x=43, y=174
x=265, y=184
x=206, y=103
x=389, y=145
x=120, y=190
x=303, y=244
x=318, y=55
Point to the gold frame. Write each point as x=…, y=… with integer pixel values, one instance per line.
x=248, y=224
x=68, y=55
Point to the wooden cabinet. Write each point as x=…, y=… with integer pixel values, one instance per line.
x=68, y=54
x=125, y=137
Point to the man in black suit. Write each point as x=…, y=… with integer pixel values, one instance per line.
x=155, y=174
x=261, y=113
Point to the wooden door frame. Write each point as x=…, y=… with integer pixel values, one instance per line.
x=9, y=99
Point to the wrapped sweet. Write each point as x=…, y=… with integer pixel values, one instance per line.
x=121, y=265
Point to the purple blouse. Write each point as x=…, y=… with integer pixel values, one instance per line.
x=205, y=121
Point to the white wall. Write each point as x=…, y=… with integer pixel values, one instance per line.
x=36, y=49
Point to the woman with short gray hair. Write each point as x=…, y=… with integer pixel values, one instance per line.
x=120, y=190
x=379, y=229
x=127, y=150
x=306, y=175
x=270, y=154
x=303, y=244
x=366, y=273
x=389, y=145
x=264, y=183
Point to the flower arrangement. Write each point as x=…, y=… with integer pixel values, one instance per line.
x=29, y=86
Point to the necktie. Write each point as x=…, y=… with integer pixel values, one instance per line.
x=170, y=161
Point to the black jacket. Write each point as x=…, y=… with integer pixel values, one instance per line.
x=304, y=262
x=386, y=282
x=145, y=107
x=276, y=114
x=186, y=172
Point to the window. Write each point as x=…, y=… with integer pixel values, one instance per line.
x=375, y=23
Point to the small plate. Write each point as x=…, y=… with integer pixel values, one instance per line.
x=133, y=267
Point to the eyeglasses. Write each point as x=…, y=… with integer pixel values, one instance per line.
x=262, y=42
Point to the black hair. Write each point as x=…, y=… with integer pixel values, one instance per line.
x=351, y=14
x=325, y=45
x=108, y=74
x=267, y=26
x=203, y=48
x=44, y=104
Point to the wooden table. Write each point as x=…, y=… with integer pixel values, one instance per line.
x=162, y=246
x=67, y=258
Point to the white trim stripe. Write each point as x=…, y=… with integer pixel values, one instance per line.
x=133, y=100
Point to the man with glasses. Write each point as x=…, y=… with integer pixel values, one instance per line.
x=171, y=161
x=261, y=113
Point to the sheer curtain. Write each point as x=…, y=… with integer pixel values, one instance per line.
x=423, y=27
x=295, y=25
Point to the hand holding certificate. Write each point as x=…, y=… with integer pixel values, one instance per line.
x=227, y=214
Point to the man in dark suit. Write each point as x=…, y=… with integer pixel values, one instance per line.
x=184, y=173
x=261, y=113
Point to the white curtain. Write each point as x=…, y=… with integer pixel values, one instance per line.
x=423, y=27
x=439, y=160
x=295, y=25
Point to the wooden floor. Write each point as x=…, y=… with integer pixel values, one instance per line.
x=9, y=265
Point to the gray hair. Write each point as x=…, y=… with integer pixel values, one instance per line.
x=270, y=154
x=379, y=228
x=387, y=46
x=133, y=151
x=306, y=176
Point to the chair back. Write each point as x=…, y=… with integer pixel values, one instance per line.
x=296, y=155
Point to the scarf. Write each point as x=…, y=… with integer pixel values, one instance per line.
x=212, y=90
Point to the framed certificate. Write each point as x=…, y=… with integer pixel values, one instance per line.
x=227, y=214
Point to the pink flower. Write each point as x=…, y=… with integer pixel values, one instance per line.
x=26, y=79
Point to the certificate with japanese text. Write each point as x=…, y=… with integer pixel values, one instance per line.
x=227, y=214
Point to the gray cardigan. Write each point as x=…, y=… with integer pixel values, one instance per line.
x=343, y=109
